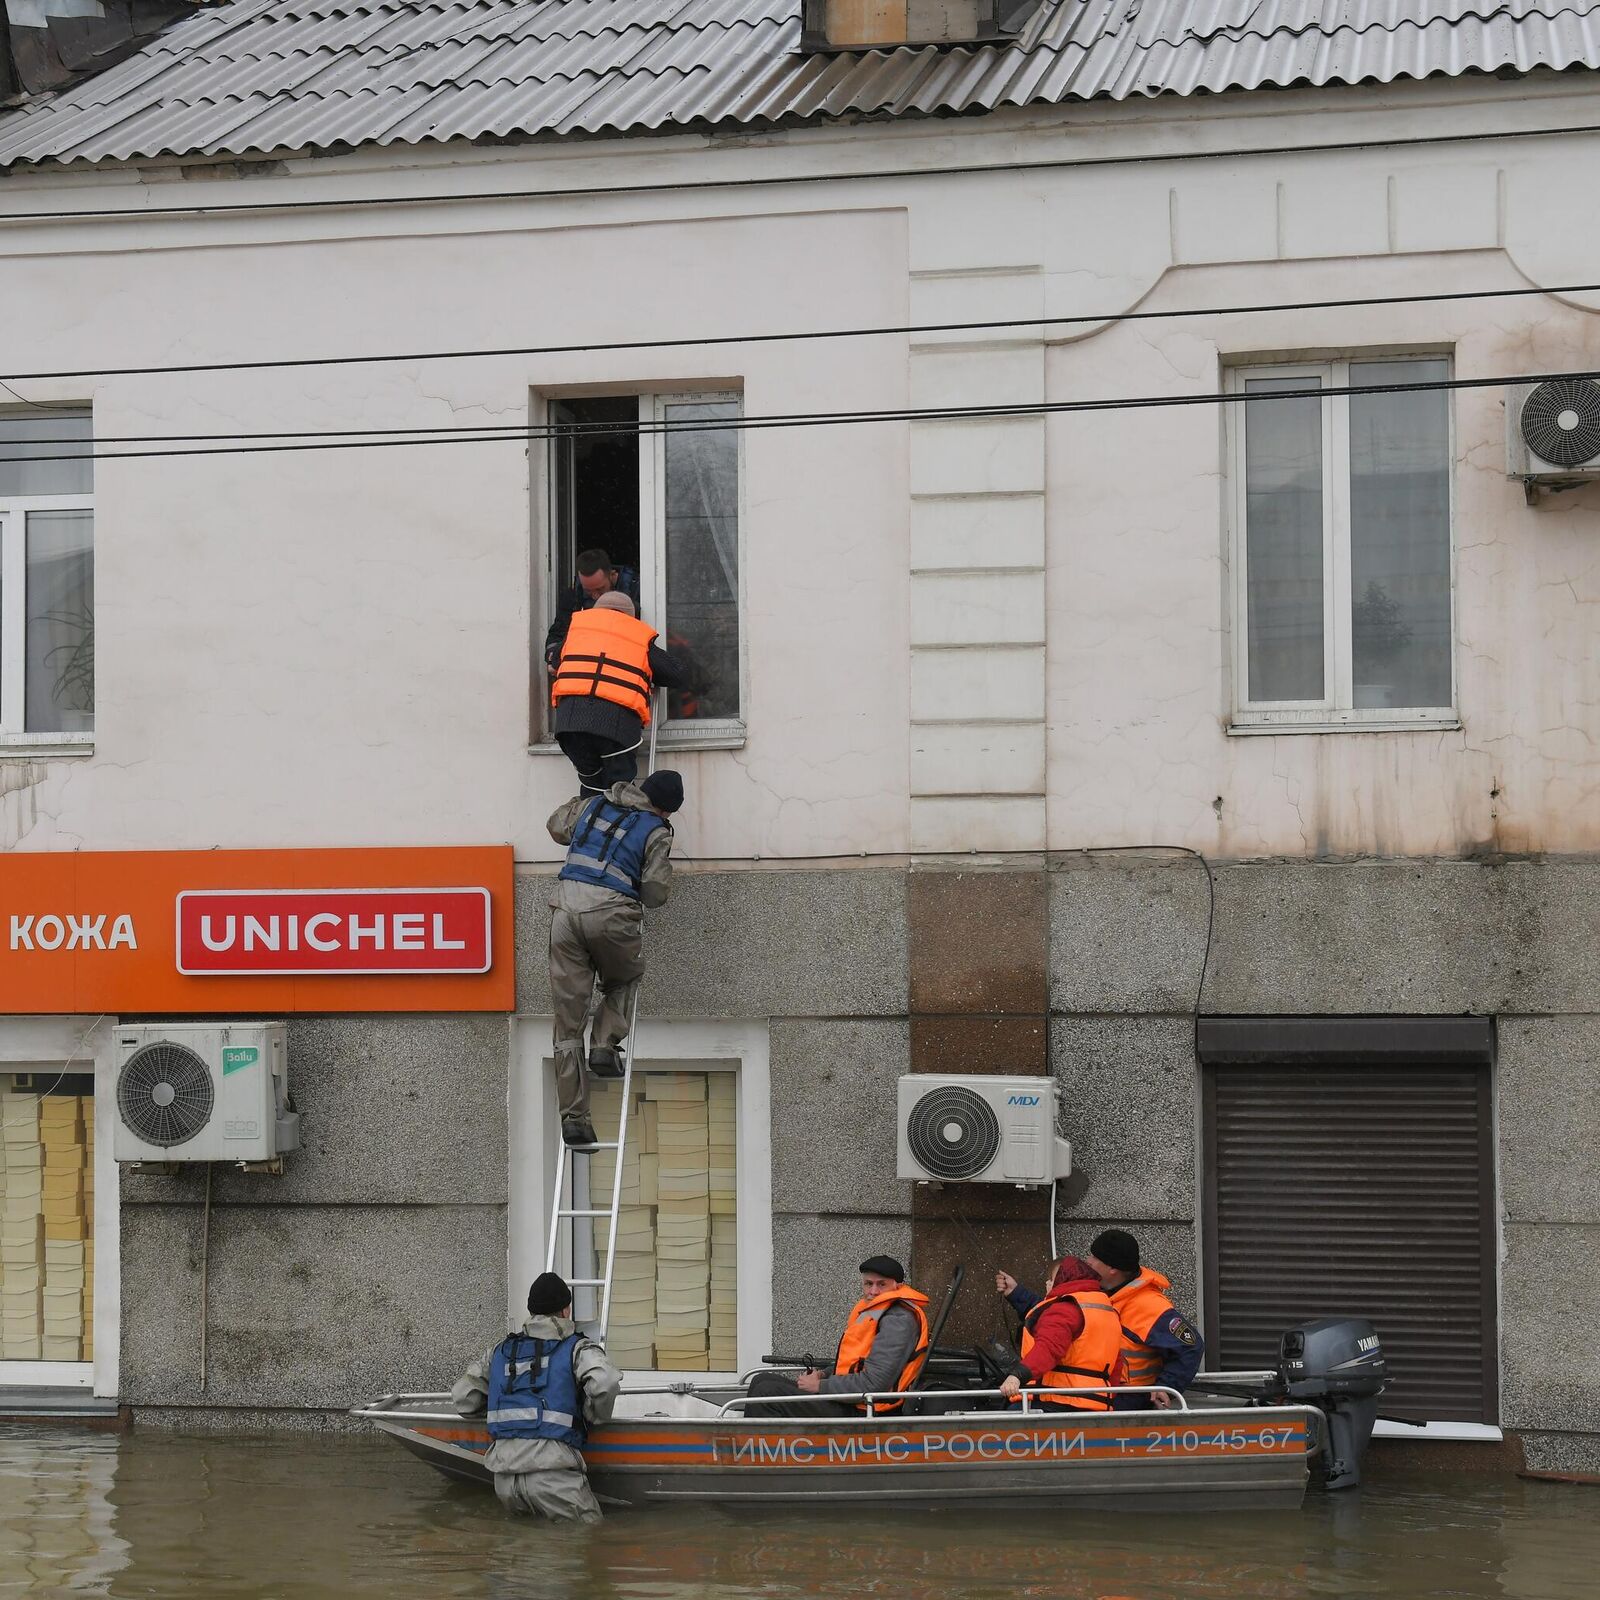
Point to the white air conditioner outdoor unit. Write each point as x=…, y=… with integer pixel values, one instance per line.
x=1553, y=433
x=199, y=1091
x=980, y=1130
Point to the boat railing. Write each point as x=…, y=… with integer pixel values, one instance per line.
x=895, y=1398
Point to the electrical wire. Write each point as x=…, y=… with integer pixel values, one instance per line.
x=392, y=438
x=1080, y=319
x=778, y=180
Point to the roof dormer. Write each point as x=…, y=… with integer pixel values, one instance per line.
x=889, y=24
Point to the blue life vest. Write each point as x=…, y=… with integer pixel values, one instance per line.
x=608, y=846
x=533, y=1390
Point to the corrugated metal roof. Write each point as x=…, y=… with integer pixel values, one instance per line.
x=252, y=77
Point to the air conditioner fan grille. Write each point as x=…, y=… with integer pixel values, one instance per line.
x=953, y=1133
x=165, y=1093
x=1561, y=421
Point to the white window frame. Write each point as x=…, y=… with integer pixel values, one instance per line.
x=535, y=1127
x=696, y=733
x=1336, y=712
x=14, y=737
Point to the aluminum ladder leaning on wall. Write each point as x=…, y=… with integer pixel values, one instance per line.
x=573, y=1165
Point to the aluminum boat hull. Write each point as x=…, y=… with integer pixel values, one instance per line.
x=1202, y=1460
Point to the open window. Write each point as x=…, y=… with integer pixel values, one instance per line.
x=654, y=481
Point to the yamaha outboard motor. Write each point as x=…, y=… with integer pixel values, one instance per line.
x=1337, y=1365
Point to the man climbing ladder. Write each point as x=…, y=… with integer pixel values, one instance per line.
x=619, y=860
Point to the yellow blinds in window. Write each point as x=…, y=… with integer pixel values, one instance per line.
x=674, y=1294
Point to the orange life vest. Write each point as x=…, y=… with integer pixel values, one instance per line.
x=1095, y=1355
x=1140, y=1304
x=861, y=1333
x=607, y=655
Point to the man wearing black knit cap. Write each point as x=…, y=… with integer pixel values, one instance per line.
x=619, y=860
x=542, y=1390
x=1161, y=1348
x=882, y=1350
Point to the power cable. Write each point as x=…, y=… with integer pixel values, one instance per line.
x=1109, y=319
x=492, y=433
x=778, y=180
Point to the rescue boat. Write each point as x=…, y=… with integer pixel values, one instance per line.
x=714, y=1446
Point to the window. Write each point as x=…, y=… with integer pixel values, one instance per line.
x=638, y=477
x=1342, y=554
x=674, y=1284
x=46, y=578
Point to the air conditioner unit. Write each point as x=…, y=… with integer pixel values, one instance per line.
x=980, y=1130
x=196, y=1091
x=1553, y=433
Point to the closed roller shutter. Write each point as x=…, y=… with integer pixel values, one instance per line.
x=1352, y=1189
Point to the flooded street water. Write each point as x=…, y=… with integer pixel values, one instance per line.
x=152, y=1514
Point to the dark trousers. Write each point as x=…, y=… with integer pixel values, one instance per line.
x=600, y=761
x=780, y=1383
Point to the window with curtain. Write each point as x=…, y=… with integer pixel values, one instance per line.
x=1342, y=553
x=47, y=618
x=652, y=480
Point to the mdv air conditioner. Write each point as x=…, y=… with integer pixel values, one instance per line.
x=980, y=1130
x=195, y=1091
x=1553, y=433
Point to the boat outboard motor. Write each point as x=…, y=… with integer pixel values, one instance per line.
x=1336, y=1364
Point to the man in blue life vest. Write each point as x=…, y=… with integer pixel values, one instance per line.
x=619, y=860
x=542, y=1390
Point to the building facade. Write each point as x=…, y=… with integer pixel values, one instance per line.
x=1181, y=724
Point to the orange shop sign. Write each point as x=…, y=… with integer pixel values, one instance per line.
x=262, y=931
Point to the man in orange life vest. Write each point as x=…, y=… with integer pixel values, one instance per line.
x=1160, y=1346
x=883, y=1348
x=610, y=666
x=1071, y=1339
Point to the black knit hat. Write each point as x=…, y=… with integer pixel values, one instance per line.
x=665, y=790
x=1119, y=1250
x=883, y=1267
x=549, y=1296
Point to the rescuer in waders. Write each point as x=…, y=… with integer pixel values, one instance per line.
x=609, y=667
x=882, y=1350
x=543, y=1389
x=619, y=860
x=1071, y=1339
x=1161, y=1348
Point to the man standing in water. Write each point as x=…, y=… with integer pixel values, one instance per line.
x=543, y=1389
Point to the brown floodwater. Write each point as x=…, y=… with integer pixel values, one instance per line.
x=155, y=1514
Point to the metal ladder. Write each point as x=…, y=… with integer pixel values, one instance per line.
x=574, y=1172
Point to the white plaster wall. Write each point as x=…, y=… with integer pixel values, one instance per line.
x=333, y=647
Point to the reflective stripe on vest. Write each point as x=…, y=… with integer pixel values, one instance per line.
x=606, y=655
x=1094, y=1356
x=1139, y=1306
x=861, y=1333
x=608, y=846
x=533, y=1390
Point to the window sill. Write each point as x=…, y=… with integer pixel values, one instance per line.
x=1250, y=723
x=720, y=736
x=1457, y=1431
x=45, y=746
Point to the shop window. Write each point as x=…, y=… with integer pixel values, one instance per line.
x=46, y=578
x=46, y=1217
x=634, y=476
x=1342, y=555
x=675, y=1277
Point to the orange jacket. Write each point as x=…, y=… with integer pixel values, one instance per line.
x=1139, y=1305
x=1096, y=1353
x=606, y=654
x=861, y=1333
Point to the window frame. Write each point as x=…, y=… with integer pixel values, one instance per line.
x=719, y=733
x=1336, y=711
x=14, y=735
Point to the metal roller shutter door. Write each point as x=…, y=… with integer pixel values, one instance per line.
x=1357, y=1190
